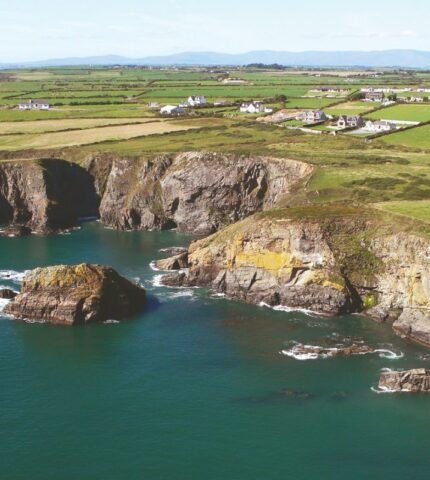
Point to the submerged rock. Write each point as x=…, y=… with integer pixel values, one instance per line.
x=7, y=294
x=76, y=294
x=416, y=380
x=15, y=231
x=306, y=352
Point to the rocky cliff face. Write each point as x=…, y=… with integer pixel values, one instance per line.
x=45, y=195
x=330, y=265
x=196, y=192
x=75, y=295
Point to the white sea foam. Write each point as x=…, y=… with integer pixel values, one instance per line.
x=3, y=303
x=180, y=294
x=153, y=267
x=389, y=354
x=284, y=308
x=111, y=322
x=157, y=281
x=12, y=275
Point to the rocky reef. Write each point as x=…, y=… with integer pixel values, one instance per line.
x=416, y=380
x=330, y=260
x=76, y=295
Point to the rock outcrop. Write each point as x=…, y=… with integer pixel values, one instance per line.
x=195, y=192
x=330, y=261
x=416, y=380
x=7, y=294
x=76, y=295
x=312, y=352
x=45, y=195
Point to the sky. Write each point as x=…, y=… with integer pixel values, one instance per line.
x=42, y=29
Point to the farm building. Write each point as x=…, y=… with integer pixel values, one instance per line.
x=380, y=126
x=312, y=116
x=34, y=105
x=348, y=121
x=254, y=107
x=172, y=110
x=153, y=105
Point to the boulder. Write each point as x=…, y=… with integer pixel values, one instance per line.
x=7, y=294
x=416, y=380
x=75, y=295
x=178, y=262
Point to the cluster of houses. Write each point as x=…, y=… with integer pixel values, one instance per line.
x=312, y=116
x=255, y=107
x=191, y=102
x=34, y=105
x=356, y=121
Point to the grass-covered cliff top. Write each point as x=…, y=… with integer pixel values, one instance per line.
x=108, y=112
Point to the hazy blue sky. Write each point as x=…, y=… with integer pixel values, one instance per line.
x=39, y=29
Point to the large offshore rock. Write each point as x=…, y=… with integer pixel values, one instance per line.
x=75, y=295
x=416, y=380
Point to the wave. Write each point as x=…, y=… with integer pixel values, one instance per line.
x=153, y=267
x=284, y=308
x=111, y=322
x=3, y=303
x=12, y=275
x=157, y=281
x=389, y=354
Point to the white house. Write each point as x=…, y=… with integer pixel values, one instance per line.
x=196, y=101
x=380, y=126
x=234, y=81
x=255, y=107
x=172, y=110
x=312, y=116
x=34, y=105
x=415, y=99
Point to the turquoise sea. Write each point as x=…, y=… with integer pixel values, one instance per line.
x=195, y=387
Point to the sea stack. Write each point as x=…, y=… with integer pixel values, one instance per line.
x=76, y=295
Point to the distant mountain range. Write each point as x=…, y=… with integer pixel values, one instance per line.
x=385, y=58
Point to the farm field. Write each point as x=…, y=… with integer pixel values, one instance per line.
x=410, y=113
x=418, y=137
x=351, y=108
x=89, y=135
x=105, y=110
x=41, y=126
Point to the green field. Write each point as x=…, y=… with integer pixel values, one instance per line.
x=410, y=113
x=418, y=137
x=105, y=110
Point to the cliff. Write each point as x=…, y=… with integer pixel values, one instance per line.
x=45, y=195
x=330, y=260
x=195, y=192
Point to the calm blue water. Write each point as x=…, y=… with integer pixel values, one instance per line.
x=191, y=388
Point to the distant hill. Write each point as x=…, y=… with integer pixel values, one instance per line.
x=384, y=58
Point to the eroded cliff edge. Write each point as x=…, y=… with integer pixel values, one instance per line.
x=330, y=260
x=195, y=192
